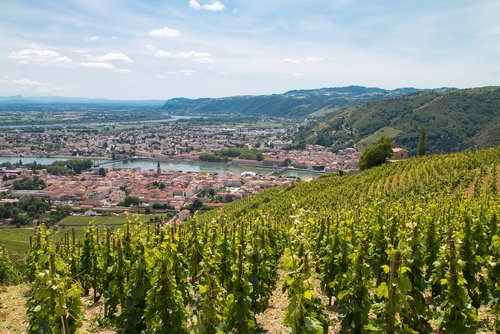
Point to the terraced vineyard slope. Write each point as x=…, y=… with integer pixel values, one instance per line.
x=411, y=247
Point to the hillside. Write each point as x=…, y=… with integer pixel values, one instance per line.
x=411, y=246
x=295, y=103
x=455, y=120
x=407, y=215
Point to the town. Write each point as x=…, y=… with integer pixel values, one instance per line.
x=177, y=142
x=263, y=153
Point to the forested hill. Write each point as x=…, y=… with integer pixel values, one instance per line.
x=295, y=103
x=455, y=120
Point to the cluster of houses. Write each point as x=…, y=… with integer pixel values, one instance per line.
x=179, y=143
x=173, y=189
x=155, y=141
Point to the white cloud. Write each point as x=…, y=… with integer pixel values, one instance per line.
x=122, y=70
x=187, y=72
x=214, y=6
x=98, y=66
x=104, y=66
x=204, y=60
x=79, y=51
x=113, y=56
x=39, y=57
x=27, y=82
x=163, y=54
x=165, y=75
x=150, y=48
x=92, y=39
x=165, y=32
x=193, y=54
x=32, y=86
x=298, y=75
x=200, y=57
x=301, y=60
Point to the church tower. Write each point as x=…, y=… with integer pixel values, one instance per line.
x=158, y=169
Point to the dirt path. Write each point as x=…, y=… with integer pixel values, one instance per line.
x=13, y=317
x=272, y=318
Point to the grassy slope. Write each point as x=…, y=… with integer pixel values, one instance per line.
x=105, y=220
x=320, y=195
x=16, y=240
x=455, y=120
x=373, y=138
x=332, y=192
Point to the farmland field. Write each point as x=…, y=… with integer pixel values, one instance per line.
x=107, y=220
x=16, y=240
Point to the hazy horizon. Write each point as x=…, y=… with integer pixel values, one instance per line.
x=132, y=50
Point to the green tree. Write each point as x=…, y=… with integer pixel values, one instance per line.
x=421, y=140
x=130, y=201
x=197, y=204
x=377, y=154
x=79, y=165
x=28, y=183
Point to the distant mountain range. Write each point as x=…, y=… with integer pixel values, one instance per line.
x=18, y=99
x=295, y=103
x=455, y=120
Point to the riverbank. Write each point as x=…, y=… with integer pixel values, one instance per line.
x=188, y=165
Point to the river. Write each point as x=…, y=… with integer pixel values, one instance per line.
x=173, y=165
x=172, y=118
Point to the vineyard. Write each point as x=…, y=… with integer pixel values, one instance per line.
x=411, y=247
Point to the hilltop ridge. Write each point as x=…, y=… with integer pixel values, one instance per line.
x=298, y=103
x=455, y=120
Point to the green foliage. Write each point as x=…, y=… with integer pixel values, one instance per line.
x=165, y=311
x=79, y=165
x=305, y=312
x=8, y=273
x=455, y=120
x=28, y=183
x=60, y=213
x=213, y=158
x=130, y=201
x=156, y=184
x=161, y=206
x=196, y=205
x=411, y=247
x=296, y=103
x=236, y=152
x=29, y=208
x=54, y=304
x=357, y=219
x=421, y=140
x=239, y=314
x=377, y=154
x=66, y=167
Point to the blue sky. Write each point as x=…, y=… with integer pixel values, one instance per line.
x=203, y=48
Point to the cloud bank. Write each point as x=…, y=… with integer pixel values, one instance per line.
x=213, y=6
x=165, y=32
